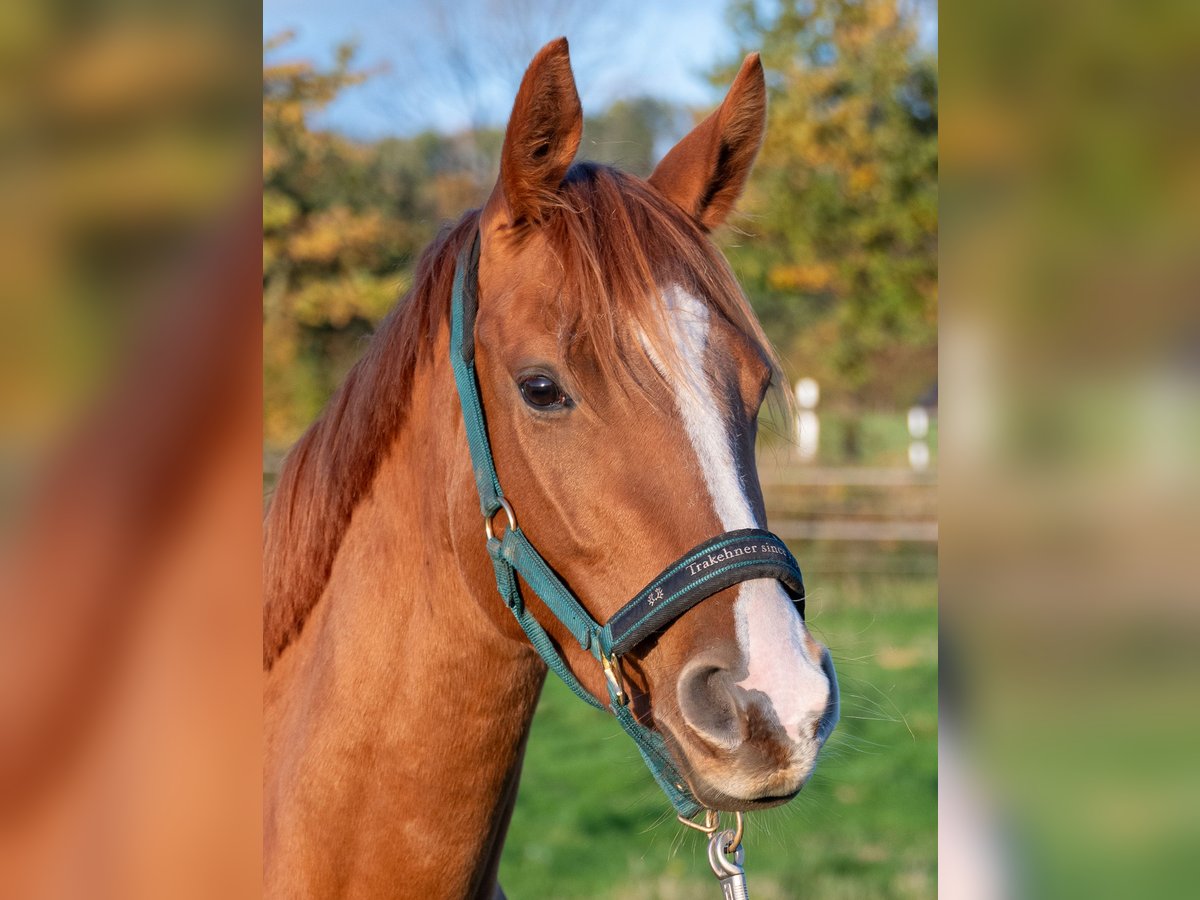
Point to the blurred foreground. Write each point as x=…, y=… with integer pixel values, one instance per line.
x=1070, y=473
x=130, y=374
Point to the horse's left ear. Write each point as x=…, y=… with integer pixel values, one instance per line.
x=540, y=142
x=705, y=172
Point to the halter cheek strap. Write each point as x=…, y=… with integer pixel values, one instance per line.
x=703, y=571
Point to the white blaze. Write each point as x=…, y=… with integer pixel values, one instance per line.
x=769, y=633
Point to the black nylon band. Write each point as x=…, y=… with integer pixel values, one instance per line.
x=712, y=566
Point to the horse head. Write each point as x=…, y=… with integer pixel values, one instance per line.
x=622, y=371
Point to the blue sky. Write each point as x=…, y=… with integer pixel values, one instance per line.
x=619, y=48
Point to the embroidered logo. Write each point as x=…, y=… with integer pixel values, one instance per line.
x=654, y=596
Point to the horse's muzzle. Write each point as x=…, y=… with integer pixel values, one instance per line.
x=737, y=752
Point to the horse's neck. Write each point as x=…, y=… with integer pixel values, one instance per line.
x=396, y=722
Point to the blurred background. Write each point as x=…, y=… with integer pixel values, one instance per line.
x=130, y=450
x=384, y=121
x=1070, y=470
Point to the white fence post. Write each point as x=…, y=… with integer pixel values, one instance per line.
x=808, y=426
x=918, y=430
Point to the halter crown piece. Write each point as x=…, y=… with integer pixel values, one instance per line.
x=701, y=572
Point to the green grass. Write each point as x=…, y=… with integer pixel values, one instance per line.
x=590, y=822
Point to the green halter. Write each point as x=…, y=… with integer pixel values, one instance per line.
x=716, y=564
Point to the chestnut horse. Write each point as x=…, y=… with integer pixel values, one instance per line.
x=621, y=370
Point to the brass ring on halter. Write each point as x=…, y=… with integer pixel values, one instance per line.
x=508, y=511
x=712, y=821
x=737, y=835
x=612, y=672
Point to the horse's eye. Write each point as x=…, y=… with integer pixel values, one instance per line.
x=542, y=393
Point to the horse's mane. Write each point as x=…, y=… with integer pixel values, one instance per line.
x=331, y=468
x=615, y=238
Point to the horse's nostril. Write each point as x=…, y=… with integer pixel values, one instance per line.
x=708, y=703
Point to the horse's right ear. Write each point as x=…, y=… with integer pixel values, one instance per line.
x=540, y=143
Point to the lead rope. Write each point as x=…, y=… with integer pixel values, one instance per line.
x=726, y=853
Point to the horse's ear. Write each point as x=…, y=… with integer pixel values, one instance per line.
x=705, y=172
x=540, y=142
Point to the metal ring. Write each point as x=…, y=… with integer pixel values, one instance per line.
x=712, y=821
x=612, y=672
x=508, y=511
x=738, y=833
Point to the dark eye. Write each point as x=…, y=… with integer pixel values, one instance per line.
x=541, y=392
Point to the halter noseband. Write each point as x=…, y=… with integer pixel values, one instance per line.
x=714, y=565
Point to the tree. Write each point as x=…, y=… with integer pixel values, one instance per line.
x=842, y=265
x=343, y=224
